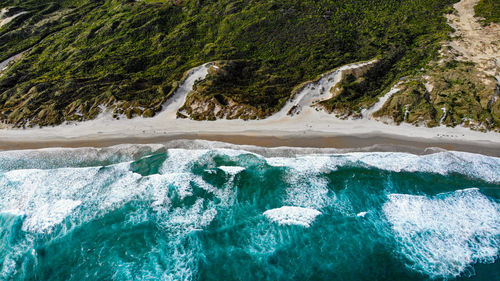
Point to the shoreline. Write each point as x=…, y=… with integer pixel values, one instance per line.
x=298, y=124
x=311, y=128
x=312, y=140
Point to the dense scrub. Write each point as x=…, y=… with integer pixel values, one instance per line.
x=129, y=55
x=455, y=95
x=489, y=10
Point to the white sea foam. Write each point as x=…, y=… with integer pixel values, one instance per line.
x=154, y=189
x=290, y=215
x=162, y=189
x=361, y=214
x=442, y=236
x=231, y=152
x=306, y=163
x=180, y=259
x=231, y=170
x=46, y=197
x=198, y=216
x=50, y=158
x=176, y=259
x=181, y=182
x=122, y=189
x=13, y=212
x=179, y=160
x=309, y=191
x=473, y=165
x=34, y=192
x=306, y=188
x=8, y=268
x=50, y=214
x=265, y=240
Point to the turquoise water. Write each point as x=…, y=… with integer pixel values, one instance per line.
x=151, y=213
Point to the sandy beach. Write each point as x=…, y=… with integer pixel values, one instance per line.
x=309, y=128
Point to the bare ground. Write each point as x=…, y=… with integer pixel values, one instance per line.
x=474, y=42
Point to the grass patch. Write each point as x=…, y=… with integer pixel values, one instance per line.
x=130, y=54
x=489, y=10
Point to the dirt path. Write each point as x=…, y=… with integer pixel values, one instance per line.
x=7, y=19
x=474, y=42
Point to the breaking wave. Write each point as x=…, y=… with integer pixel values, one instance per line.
x=153, y=212
x=444, y=235
x=292, y=215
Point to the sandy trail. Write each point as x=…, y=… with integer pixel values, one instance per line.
x=6, y=20
x=368, y=112
x=6, y=63
x=316, y=91
x=474, y=42
x=173, y=104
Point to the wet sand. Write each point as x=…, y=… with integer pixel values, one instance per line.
x=379, y=143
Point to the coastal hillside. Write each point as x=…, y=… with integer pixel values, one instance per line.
x=71, y=60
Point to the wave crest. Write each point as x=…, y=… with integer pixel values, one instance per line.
x=442, y=236
x=292, y=215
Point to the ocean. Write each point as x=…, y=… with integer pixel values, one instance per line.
x=202, y=211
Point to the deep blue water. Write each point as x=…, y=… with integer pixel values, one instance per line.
x=152, y=213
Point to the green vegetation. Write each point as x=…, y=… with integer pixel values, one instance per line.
x=361, y=91
x=129, y=55
x=489, y=10
x=458, y=97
